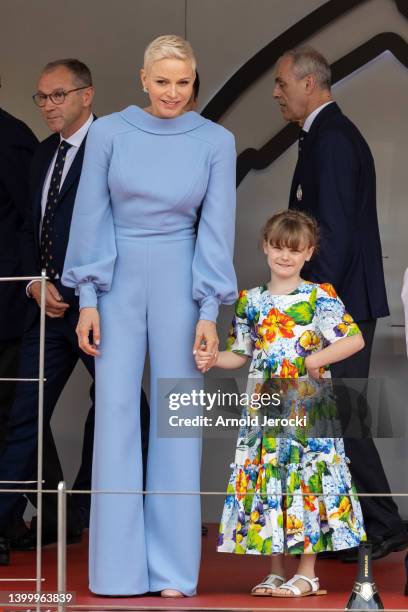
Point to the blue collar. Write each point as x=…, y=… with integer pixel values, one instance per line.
x=156, y=125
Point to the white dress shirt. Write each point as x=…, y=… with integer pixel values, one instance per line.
x=310, y=118
x=75, y=141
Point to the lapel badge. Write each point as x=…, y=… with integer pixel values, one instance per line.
x=299, y=193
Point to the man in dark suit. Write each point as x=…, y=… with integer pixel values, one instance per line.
x=17, y=145
x=334, y=181
x=64, y=96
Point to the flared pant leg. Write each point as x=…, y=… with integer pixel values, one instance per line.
x=117, y=553
x=172, y=522
x=136, y=548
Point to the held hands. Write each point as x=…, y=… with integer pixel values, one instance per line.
x=89, y=322
x=205, y=349
x=204, y=360
x=55, y=307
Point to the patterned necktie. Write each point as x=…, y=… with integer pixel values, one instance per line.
x=47, y=229
x=302, y=137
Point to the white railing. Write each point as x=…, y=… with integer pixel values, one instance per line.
x=43, y=279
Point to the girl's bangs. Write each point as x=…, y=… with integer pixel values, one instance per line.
x=290, y=235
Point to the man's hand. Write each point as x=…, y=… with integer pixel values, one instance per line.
x=55, y=307
x=89, y=322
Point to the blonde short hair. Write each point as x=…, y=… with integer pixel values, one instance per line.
x=168, y=46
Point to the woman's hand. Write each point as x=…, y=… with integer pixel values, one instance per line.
x=312, y=370
x=89, y=322
x=206, y=341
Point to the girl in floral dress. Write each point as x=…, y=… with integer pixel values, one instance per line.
x=289, y=493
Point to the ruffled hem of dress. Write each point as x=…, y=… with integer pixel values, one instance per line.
x=339, y=528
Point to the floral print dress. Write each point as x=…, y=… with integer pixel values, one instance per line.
x=318, y=511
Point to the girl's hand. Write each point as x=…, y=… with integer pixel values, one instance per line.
x=312, y=370
x=343, y=348
x=89, y=322
x=204, y=360
x=206, y=335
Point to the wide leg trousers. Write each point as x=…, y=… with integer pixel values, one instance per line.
x=140, y=545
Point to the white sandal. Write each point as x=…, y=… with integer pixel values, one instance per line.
x=268, y=583
x=296, y=592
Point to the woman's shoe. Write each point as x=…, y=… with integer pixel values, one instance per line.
x=269, y=584
x=171, y=594
x=295, y=591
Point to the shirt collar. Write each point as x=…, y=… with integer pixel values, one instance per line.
x=75, y=140
x=310, y=118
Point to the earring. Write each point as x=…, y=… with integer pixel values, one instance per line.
x=145, y=90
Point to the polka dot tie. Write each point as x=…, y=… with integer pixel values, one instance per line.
x=47, y=230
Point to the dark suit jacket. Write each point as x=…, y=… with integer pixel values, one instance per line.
x=62, y=217
x=17, y=144
x=334, y=181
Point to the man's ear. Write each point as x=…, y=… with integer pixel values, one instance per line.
x=88, y=96
x=310, y=83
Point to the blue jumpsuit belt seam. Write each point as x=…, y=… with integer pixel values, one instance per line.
x=155, y=234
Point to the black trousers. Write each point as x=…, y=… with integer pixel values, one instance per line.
x=18, y=458
x=381, y=514
x=9, y=358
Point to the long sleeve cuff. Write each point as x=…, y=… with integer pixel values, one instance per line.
x=209, y=308
x=87, y=296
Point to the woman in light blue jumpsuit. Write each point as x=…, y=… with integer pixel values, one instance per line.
x=135, y=255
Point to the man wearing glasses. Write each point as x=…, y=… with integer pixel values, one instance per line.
x=64, y=97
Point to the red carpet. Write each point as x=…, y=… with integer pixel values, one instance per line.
x=225, y=582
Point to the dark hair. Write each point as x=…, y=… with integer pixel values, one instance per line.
x=81, y=72
x=291, y=228
x=196, y=87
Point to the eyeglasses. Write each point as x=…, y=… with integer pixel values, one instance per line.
x=57, y=97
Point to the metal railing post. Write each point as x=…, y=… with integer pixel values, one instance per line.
x=62, y=542
x=40, y=430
